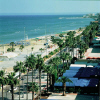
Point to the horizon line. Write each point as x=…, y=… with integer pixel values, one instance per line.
x=46, y=13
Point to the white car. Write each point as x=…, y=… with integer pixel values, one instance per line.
x=15, y=88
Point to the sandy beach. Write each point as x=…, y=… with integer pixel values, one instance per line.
x=35, y=43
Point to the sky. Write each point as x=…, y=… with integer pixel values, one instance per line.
x=47, y=7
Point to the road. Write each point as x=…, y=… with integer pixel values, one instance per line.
x=23, y=87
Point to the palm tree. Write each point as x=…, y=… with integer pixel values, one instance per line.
x=3, y=81
x=30, y=88
x=32, y=65
x=81, y=52
x=60, y=44
x=27, y=65
x=32, y=49
x=39, y=66
x=55, y=61
x=64, y=80
x=21, y=47
x=51, y=72
x=12, y=44
x=47, y=68
x=19, y=67
x=63, y=57
x=61, y=35
x=67, y=42
x=68, y=58
x=41, y=49
x=12, y=81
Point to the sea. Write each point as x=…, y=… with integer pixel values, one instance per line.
x=17, y=27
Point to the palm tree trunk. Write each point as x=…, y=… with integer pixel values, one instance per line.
x=67, y=63
x=63, y=65
x=19, y=85
x=76, y=52
x=57, y=71
x=2, y=91
x=64, y=89
x=27, y=86
x=67, y=49
x=12, y=92
x=50, y=80
x=73, y=52
x=32, y=86
x=60, y=55
x=47, y=82
x=40, y=83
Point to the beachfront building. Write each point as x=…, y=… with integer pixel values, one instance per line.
x=84, y=78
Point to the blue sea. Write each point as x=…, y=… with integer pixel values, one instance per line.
x=16, y=27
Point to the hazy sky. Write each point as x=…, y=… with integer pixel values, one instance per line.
x=49, y=6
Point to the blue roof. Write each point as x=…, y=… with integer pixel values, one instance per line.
x=83, y=74
x=80, y=83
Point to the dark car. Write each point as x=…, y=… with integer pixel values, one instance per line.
x=45, y=43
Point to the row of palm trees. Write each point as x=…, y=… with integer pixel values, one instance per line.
x=82, y=42
x=31, y=62
x=9, y=80
x=70, y=42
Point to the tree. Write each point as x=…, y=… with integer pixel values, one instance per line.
x=3, y=81
x=61, y=35
x=81, y=52
x=27, y=65
x=19, y=67
x=68, y=57
x=9, y=49
x=41, y=49
x=30, y=88
x=21, y=47
x=55, y=61
x=61, y=45
x=64, y=80
x=51, y=70
x=32, y=64
x=80, y=29
x=32, y=49
x=63, y=57
x=12, y=44
x=12, y=81
x=39, y=66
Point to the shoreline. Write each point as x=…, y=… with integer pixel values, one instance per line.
x=27, y=50
x=43, y=36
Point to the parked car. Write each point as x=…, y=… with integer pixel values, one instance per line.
x=15, y=88
x=45, y=43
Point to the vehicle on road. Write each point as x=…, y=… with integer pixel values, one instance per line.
x=15, y=88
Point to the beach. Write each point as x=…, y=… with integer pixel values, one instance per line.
x=8, y=63
x=36, y=43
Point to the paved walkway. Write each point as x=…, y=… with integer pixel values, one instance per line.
x=71, y=96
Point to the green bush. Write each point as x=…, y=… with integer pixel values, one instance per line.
x=51, y=53
x=12, y=49
x=47, y=56
x=56, y=50
x=9, y=49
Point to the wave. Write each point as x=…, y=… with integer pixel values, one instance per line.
x=71, y=17
x=17, y=32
